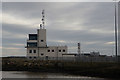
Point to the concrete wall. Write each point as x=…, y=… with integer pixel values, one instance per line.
x=32, y=54
x=68, y=55
x=41, y=36
x=43, y=52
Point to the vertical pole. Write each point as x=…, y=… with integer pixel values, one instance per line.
x=115, y=32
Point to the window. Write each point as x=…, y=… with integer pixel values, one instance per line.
x=30, y=57
x=32, y=44
x=34, y=57
x=59, y=50
x=48, y=50
x=34, y=51
x=32, y=36
x=30, y=51
x=42, y=40
x=63, y=50
x=42, y=54
x=52, y=50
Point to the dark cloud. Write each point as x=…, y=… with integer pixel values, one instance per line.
x=91, y=23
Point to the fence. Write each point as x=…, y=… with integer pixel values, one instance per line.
x=83, y=59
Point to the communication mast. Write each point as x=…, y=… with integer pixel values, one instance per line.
x=42, y=25
x=43, y=18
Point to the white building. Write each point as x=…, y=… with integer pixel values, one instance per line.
x=37, y=46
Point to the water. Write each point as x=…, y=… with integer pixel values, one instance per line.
x=46, y=76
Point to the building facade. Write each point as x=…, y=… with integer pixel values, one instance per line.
x=37, y=47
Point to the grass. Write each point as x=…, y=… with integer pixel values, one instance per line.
x=96, y=69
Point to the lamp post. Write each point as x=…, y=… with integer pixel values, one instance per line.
x=116, y=43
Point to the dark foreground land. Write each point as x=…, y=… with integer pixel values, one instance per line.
x=93, y=69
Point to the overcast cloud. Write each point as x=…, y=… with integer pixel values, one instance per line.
x=67, y=23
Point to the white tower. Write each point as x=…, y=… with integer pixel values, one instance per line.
x=41, y=37
x=42, y=33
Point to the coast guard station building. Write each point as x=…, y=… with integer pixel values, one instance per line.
x=37, y=45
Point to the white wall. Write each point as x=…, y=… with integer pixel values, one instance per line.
x=43, y=52
x=32, y=54
x=68, y=55
x=41, y=36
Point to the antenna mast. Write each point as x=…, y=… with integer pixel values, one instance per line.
x=43, y=18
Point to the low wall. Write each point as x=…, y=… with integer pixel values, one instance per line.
x=82, y=59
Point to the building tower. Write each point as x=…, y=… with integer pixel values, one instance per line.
x=42, y=33
x=37, y=46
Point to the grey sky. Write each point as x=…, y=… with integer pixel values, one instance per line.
x=67, y=23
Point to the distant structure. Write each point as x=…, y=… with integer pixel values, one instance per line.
x=37, y=45
x=79, y=48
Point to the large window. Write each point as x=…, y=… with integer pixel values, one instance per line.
x=32, y=36
x=32, y=44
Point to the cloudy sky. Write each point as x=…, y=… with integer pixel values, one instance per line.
x=67, y=23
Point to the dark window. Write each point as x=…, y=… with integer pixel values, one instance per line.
x=30, y=51
x=32, y=44
x=48, y=50
x=30, y=57
x=34, y=51
x=35, y=57
x=59, y=50
x=52, y=50
x=46, y=57
x=63, y=50
x=42, y=40
x=32, y=36
x=42, y=54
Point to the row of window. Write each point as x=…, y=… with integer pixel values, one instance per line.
x=34, y=51
x=33, y=44
x=34, y=57
x=58, y=50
